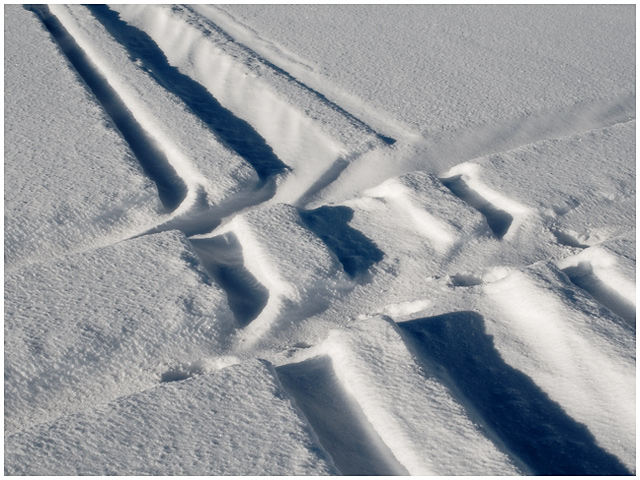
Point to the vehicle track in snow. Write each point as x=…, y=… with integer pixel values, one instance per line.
x=245, y=237
x=171, y=189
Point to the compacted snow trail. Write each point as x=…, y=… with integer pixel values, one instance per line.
x=325, y=280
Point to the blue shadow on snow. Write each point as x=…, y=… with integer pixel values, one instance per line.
x=498, y=220
x=232, y=131
x=354, y=250
x=154, y=163
x=533, y=427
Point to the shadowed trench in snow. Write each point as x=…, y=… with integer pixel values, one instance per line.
x=498, y=220
x=533, y=428
x=583, y=277
x=340, y=425
x=232, y=131
x=386, y=139
x=171, y=189
x=222, y=257
x=356, y=252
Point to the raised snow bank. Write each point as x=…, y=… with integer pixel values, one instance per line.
x=608, y=275
x=414, y=414
x=295, y=267
x=71, y=182
x=192, y=152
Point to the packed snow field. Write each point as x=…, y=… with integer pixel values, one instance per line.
x=319, y=240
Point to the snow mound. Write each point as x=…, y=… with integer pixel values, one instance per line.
x=94, y=326
x=584, y=191
x=237, y=421
x=422, y=200
x=607, y=272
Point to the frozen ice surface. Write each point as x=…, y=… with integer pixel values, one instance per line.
x=320, y=239
x=237, y=421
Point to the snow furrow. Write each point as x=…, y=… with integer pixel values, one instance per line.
x=343, y=431
x=312, y=136
x=608, y=277
x=503, y=214
x=576, y=351
x=294, y=266
x=338, y=123
x=190, y=149
x=408, y=407
x=171, y=189
x=515, y=412
x=222, y=257
x=355, y=251
x=231, y=130
x=541, y=186
x=72, y=182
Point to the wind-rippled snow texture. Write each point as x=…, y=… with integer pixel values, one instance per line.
x=71, y=182
x=515, y=59
x=94, y=326
x=474, y=186
x=237, y=421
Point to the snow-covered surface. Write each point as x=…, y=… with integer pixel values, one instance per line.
x=314, y=239
x=71, y=181
x=71, y=341
x=451, y=65
x=192, y=427
x=579, y=353
x=413, y=413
